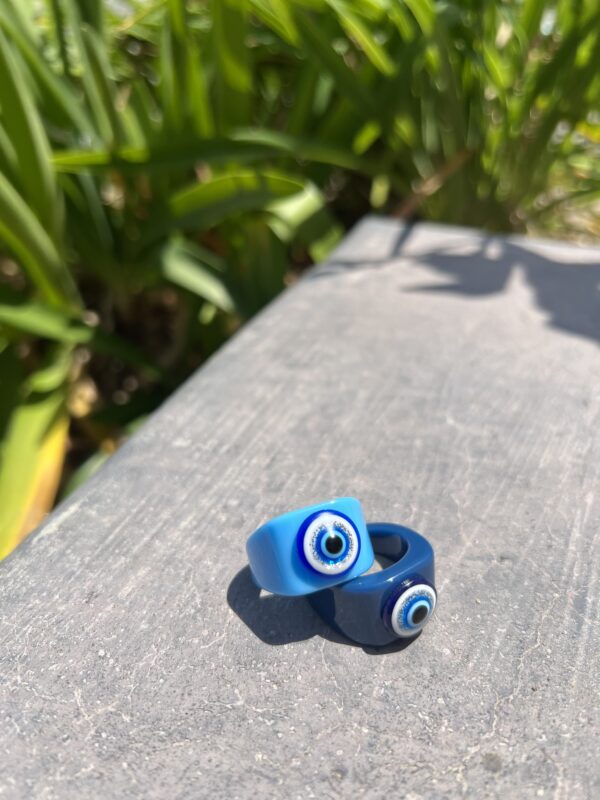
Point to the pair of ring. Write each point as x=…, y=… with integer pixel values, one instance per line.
x=324, y=551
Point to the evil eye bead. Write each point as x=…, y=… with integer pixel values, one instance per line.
x=412, y=609
x=330, y=543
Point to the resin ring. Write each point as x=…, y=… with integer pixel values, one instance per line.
x=381, y=607
x=311, y=549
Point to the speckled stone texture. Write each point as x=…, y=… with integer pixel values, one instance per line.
x=448, y=379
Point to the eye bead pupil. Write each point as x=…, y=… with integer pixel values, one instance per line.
x=419, y=615
x=334, y=544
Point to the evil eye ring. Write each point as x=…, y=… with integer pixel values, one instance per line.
x=311, y=548
x=378, y=608
x=329, y=542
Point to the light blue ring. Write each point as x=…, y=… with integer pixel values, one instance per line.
x=279, y=566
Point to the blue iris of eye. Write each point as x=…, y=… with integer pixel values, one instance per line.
x=333, y=544
x=416, y=611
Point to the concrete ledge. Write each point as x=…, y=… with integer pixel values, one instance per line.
x=448, y=379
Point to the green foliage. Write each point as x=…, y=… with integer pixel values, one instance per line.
x=162, y=169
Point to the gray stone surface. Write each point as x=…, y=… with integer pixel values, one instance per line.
x=449, y=380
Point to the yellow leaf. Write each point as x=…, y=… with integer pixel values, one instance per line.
x=32, y=454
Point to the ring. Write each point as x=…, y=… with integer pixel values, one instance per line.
x=311, y=549
x=396, y=602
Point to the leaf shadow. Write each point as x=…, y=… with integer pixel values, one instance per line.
x=478, y=264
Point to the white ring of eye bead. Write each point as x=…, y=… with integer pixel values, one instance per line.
x=326, y=521
x=418, y=590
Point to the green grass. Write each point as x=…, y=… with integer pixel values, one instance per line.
x=162, y=171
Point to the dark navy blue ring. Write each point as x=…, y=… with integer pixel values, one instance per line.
x=381, y=607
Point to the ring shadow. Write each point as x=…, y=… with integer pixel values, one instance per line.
x=278, y=620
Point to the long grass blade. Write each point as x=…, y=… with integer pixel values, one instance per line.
x=182, y=264
x=26, y=236
x=36, y=319
x=245, y=146
x=318, y=47
x=57, y=98
x=360, y=33
x=24, y=128
x=233, y=82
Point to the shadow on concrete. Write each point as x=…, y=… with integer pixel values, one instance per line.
x=281, y=620
x=569, y=293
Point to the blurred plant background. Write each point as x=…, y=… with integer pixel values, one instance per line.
x=166, y=167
